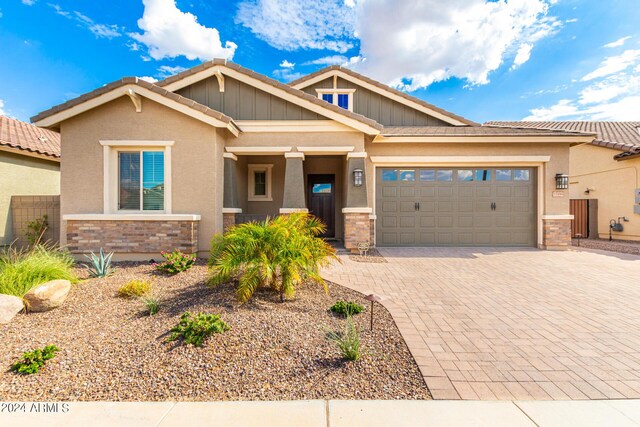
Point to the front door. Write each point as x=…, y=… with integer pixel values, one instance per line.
x=321, y=199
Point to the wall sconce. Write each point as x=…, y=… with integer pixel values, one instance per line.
x=562, y=181
x=357, y=177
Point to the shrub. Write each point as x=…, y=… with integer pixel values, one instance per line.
x=346, y=308
x=36, y=229
x=348, y=342
x=21, y=270
x=32, y=361
x=279, y=253
x=100, y=264
x=175, y=262
x=152, y=304
x=194, y=330
x=135, y=288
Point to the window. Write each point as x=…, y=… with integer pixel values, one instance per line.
x=341, y=97
x=343, y=100
x=521, y=175
x=427, y=175
x=321, y=188
x=389, y=174
x=141, y=180
x=503, y=174
x=445, y=175
x=260, y=183
x=327, y=97
x=483, y=175
x=465, y=175
x=407, y=175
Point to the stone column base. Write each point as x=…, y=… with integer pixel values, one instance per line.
x=228, y=221
x=556, y=234
x=357, y=229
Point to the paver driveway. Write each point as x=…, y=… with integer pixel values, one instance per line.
x=512, y=324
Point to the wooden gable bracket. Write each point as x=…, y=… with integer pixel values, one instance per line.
x=220, y=78
x=135, y=98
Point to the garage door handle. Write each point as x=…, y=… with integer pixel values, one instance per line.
x=416, y=206
x=493, y=206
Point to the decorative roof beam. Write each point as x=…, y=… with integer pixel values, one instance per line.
x=135, y=98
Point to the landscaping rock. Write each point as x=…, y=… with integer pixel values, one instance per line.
x=47, y=296
x=9, y=307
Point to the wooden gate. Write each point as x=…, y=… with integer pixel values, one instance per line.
x=579, y=208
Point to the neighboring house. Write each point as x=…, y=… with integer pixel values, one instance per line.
x=29, y=166
x=148, y=167
x=605, y=170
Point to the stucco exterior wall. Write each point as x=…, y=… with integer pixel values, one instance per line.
x=23, y=176
x=197, y=165
x=613, y=183
x=299, y=139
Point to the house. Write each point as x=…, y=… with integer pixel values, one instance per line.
x=29, y=170
x=148, y=167
x=605, y=173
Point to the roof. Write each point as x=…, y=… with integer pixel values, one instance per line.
x=634, y=152
x=384, y=87
x=622, y=136
x=29, y=138
x=261, y=77
x=471, y=131
x=138, y=82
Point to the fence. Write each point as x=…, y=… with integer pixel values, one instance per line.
x=25, y=209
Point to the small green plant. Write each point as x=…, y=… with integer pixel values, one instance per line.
x=32, y=361
x=195, y=329
x=346, y=308
x=175, y=262
x=100, y=264
x=135, y=288
x=348, y=342
x=152, y=304
x=36, y=229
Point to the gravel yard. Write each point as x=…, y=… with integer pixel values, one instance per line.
x=111, y=350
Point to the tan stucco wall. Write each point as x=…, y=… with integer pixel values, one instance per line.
x=299, y=139
x=23, y=176
x=614, y=183
x=197, y=162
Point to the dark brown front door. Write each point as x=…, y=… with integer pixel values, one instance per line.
x=321, y=197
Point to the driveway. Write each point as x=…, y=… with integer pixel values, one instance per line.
x=512, y=323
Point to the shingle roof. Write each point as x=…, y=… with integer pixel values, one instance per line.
x=135, y=81
x=27, y=137
x=471, y=131
x=385, y=87
x=622, y=136
x=272, y=82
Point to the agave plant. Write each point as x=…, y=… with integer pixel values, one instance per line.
x=100, y=264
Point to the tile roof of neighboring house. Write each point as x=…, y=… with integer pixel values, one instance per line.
x=471, y=131
x=385, y=87
x=136, y=81
x=30, y=138
x=634, y=152
x=272, y=82
x=622, y=136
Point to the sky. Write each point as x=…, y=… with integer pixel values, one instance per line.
x=482, y=59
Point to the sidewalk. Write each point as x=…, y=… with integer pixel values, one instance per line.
x=333, y=413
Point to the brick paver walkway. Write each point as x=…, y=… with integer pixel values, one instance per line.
x=512, y=324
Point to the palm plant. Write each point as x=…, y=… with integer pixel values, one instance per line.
x=279, y=253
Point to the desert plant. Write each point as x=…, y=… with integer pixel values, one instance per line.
x=135, y=288
x=195, y=329
x=21, y=270
x=279, y=253
x=100, y=264
x=348, y=342
x=151, y=303
x=32, y=361
x=175, y=262
x=36, y=229
x=346, y=308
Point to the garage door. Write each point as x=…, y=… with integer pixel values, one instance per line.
x=455, y=207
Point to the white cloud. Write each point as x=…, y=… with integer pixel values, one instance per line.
x=287, y=74
x=168, y=33
x=298, y=24
x=614, y=64
x=165, y=71
x=108, y=31
x=2, y=111
x=618, y=42
x=287, y=64
x=523, y=55
x=148, y=79
x=571, y=21
x=29, y=2
x=329, y=60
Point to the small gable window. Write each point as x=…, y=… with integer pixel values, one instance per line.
x=343, y=98
x=327, y=97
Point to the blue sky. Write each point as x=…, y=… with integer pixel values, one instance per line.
x=485, y=60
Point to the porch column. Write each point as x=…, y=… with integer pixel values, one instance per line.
x=230, y=196
x=294, y=199
x=358, y=224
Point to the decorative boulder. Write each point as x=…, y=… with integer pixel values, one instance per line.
x=9, y=307
x=47, y=296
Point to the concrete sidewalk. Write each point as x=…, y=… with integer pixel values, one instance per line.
x=322, y=413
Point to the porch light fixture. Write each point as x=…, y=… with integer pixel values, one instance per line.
x=562, y=181
x=357, y=177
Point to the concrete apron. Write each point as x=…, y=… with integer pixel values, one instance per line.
x=323, y=413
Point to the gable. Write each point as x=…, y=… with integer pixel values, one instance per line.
x=244, y=102
x=378, y=107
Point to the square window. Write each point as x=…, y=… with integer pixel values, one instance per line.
x=389, y=174
x=483, y=175
x=521, y=175
x=141, y=180
x=503, y=174
x=465, y=175
x=427, y=175
x=445, y=175
x=407, y=175
x=343, y=100
x=327, y=97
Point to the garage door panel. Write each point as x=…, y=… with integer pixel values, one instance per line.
x=427, y=221
x=466, y=192
x=444, y=238
x=464, y=238
x=482, y=238
x=502, y=221
x=407, y=222
x=407, y=239
x=407, y=192
x=389, y=239
x=389, y=207
x=465, y=206
x=465, y=221
x=407, y=206
x=445, y=192
x=522, y=191
x=389, y=221
x=504, y=192
x=483, y=191
x=427, y=192
x=429, y=206
x=428, y=238
x=445, y=206
x=389, y=192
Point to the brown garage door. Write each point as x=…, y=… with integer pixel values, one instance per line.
x=455, y=207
